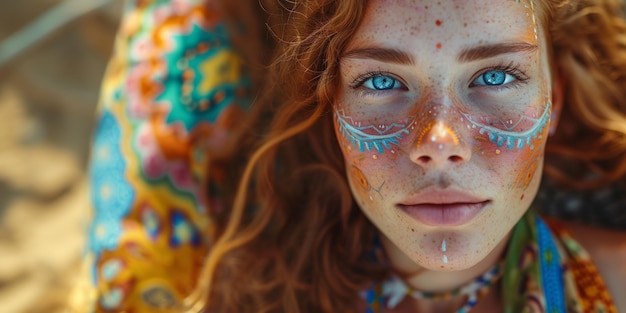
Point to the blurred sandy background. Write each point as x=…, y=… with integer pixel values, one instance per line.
x=48, y=96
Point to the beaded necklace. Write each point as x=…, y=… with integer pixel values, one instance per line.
x=395, y=289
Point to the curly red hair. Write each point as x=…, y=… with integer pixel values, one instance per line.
x=293, y=239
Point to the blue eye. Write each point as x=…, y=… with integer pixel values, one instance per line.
x=382, y=82
x=493, y=78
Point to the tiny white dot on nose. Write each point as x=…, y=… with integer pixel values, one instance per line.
x=433, y=138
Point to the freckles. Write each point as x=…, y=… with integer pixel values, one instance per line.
x=511, y=135
x=407, y=5
x=531, y=18
x=521, y=151
x=522, y=163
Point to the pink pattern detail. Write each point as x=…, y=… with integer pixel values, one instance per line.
x=155, y=164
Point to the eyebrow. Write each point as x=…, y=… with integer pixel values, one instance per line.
x=488, y=51
x=389, y=55
x=392, y=55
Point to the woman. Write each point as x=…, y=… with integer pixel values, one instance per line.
x=395, y=149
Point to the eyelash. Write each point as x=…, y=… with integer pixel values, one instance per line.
x=358, y=82
x=510, y=68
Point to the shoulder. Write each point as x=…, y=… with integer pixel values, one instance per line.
x=607, y=249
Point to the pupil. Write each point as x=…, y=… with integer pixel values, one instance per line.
x=382, y=82
x=494, y=77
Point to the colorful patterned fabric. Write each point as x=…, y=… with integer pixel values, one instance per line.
x=172, y=91
x=545, y=271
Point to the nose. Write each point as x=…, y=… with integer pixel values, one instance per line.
x=438, y=145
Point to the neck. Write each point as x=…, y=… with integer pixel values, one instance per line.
x=442, y=281
x=433, y=281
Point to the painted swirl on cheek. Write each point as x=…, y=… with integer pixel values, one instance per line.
x=363, y=183
x=358, y=174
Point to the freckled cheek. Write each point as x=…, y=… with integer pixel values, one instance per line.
x=369, y=178
x=514, y=168
x=374, y=166
x=373, y=175
x=499, y=158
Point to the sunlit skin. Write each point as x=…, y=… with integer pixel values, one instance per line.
x=438, y=93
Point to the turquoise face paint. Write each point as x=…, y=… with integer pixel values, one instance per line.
x=508, y=136
x=370, y=137
x=382, y=137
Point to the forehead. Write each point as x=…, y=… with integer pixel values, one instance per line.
x=414, y=24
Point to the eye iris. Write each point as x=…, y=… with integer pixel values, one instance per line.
x=494, y=77
x=382, y=82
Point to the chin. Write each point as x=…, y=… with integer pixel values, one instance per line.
x=446, y=249
x=463, y=251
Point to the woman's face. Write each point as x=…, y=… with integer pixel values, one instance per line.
x=442, y=115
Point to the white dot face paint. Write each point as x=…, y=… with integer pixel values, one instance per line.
x=442, y=118
x=444, y=248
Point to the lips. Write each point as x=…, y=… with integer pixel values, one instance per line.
x=437, y=207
